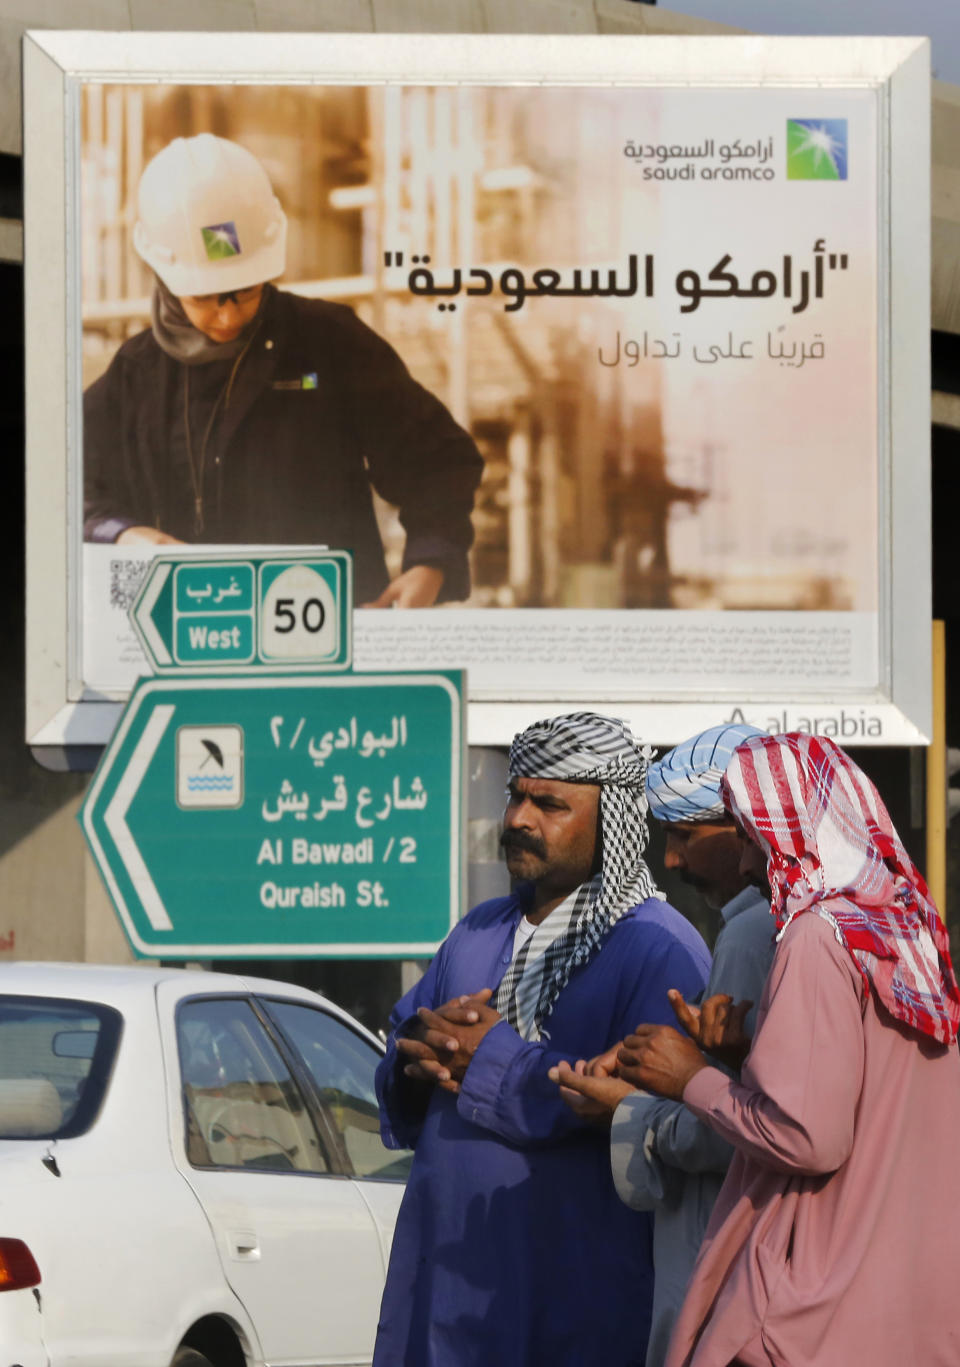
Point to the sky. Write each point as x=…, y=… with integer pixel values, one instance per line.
x=937, y=19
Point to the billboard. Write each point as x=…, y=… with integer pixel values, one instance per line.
x=615, y=385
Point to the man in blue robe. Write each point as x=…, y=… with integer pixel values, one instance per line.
x=511, y=1247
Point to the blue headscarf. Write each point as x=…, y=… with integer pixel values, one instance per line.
x=685, y=784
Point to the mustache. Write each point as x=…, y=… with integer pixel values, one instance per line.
x=691, y=879
x=519, y=840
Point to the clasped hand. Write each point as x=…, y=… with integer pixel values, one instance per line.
x=592, y=1087
x=716, y=1026
x=656, y=1058
x=441, y=1044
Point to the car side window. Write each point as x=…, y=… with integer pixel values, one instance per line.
x=342, y=1065
x=55, y=1061
x=242, y=1107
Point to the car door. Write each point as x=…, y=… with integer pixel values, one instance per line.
x=341, y=1063
x=298, y=1243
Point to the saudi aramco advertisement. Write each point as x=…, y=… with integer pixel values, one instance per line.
x=588, y=377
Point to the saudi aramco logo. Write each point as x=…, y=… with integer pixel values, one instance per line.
x=221, y=240
x=816, y=149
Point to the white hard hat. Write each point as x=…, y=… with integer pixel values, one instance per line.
x=209, y=220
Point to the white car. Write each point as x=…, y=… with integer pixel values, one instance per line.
x=191, y=1173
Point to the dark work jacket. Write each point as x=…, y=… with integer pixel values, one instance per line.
x=320, y=409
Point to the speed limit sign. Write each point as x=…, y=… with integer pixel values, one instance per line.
x=299, y=621
x=282, y=610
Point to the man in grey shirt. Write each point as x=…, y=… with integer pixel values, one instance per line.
x=663, y=1158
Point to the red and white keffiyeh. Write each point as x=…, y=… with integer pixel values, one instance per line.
x=832, y=848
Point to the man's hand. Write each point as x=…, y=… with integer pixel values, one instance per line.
x=146, y=536
x=417, y=587
x=716, y=1026
x=458, y=1027
x=659, y=1059
x=593, y=1095
x=425, y=1064
x=431, y=1046
x=604, y=1065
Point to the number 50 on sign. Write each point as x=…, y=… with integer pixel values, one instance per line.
x=299, y=611
x=282, y=611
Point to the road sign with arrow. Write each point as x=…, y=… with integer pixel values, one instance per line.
x=276, y=815
x=232, y=614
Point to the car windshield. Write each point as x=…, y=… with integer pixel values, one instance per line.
x=55, y=1061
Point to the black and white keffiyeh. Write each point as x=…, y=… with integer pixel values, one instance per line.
x=581, y=747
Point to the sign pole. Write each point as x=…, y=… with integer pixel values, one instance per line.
x=937, y=778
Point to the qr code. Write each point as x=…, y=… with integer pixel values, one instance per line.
x=126, y=576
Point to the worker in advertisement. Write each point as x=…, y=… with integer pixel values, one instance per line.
x=249, y=415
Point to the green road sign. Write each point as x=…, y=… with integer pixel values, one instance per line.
x=283, y=816
x=231, y=614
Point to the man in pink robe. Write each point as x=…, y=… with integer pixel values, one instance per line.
x=835, y=1239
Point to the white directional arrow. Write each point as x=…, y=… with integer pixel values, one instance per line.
x=151, y=636
x=115, y=817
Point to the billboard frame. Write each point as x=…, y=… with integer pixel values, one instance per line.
x=57, y=64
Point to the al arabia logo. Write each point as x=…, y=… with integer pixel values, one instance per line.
x=221, y=240
x=816, y=149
